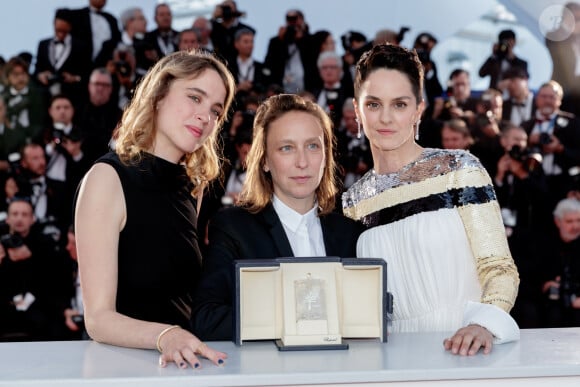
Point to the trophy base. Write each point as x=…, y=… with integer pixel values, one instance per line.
x=313, y=347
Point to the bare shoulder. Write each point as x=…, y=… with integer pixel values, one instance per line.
x=101, y=193
x=101, y=177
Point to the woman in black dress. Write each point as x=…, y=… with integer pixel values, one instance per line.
x=136, y=210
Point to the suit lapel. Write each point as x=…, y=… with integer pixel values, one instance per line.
x=277, y=231
x=329, y=236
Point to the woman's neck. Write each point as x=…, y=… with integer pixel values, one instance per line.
x=393, y=160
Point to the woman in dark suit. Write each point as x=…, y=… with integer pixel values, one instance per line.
x=285, y=208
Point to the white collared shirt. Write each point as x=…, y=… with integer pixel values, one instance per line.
x=303, y=231
x=245, y=69
x=548, y=161
x=294, y=71
x=101, y=32
x=522, y=113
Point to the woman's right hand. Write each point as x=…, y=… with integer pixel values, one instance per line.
x=182, y=347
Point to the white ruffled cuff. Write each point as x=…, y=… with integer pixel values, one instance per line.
x=501, y=325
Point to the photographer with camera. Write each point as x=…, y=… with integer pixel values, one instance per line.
x=485, y=126
x=29, y=299
x=123, y=69
x=63, y=146
x=424, y=44
x=290, y=56
x=520, y=183
x=353, y=44
x=224, y=25
x=501, y=59
x=561, y=267
x=556, y=135
x=11, y=140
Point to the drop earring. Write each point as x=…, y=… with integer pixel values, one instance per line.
x=417, y=130
x=359, y=132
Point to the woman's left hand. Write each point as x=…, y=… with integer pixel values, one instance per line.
x=468, y=340
x=183, y=348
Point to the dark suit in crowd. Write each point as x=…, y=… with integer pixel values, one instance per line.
x=78, y=62
x=82, y=30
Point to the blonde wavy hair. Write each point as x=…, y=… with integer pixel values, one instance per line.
x=258, y=186
x=136, y=131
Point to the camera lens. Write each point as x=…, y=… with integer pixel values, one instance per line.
x=545, y=138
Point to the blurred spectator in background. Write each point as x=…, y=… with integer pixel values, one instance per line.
x=520, y=183
x=352, y=42
x=133, y=42
x=519, y=105
x=203, y=28
x=560, y=263
x=289, y=55
x=424, y=44
x=225, y=22
x=502, y=59
x=98, y=29
x=29, y=302
x=25, y=104
x=556, y=135
x=100, y=115
x=63, y=63
x=251, y=76
x=457, y=101
x=164, y=38
x=66, y=160
x=333, y=93
x=455, y=134
x=188, y=39
x=11, y=140
x=353, y=149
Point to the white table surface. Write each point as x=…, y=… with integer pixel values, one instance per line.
x=542, y=356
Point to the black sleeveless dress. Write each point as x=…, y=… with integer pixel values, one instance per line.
x=159, y=257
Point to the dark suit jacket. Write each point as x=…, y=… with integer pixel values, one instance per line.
x=81, y=29
x=334, y=101
x=261, y=74
x=151, y=39
x=508, y=105
x=236, y=234
x=567, y=130
x=277, y=56
x=78, y=62
x=492, y=67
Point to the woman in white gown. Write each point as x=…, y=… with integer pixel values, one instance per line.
x=432, y=215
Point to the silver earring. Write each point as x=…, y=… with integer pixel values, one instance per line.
x=417, y=130
x=359, y=132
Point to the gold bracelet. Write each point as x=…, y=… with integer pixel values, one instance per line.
x=161, y=335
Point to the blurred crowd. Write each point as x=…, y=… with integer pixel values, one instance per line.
x=58, y=118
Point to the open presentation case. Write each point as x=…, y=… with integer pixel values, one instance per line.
x=311, y=303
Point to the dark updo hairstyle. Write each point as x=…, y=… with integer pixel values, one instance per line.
x=390, y=57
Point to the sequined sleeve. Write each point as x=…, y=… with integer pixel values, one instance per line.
x=496, y=269
x=444, y=179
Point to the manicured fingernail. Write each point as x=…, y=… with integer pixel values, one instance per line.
x=182, y=364
x=196, y=365
x=221, y=361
